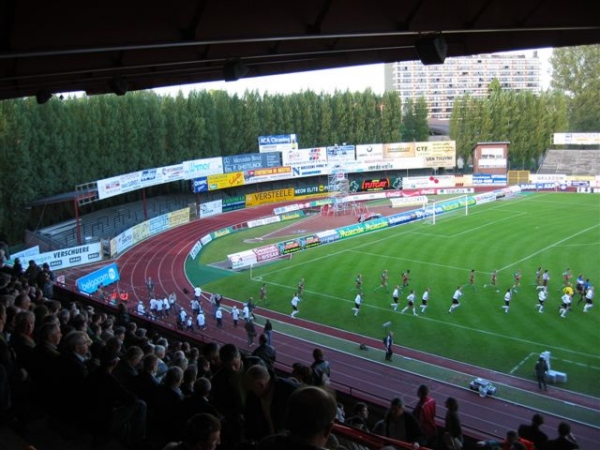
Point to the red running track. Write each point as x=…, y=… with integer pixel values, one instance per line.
x=163, y=258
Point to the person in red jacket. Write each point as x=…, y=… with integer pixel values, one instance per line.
x=424, y=412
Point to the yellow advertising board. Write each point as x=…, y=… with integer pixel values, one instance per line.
x=179, y=217
x=225, y=180
x=437, y=153
x=263, y=198
x=399, y=150
x=140, y=232
x=271, y=171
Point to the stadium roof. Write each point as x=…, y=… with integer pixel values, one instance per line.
x=118, y=46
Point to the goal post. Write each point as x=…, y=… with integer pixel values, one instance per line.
x=454, y=205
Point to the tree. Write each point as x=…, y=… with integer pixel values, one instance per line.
x=576, y=72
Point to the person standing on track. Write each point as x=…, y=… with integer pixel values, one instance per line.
x=197, y=293
x=388, y=343
x=219, y=317
x=201, y=320
x=235, y=315
x=541, y=368
x=150, y=286
x=268, y=331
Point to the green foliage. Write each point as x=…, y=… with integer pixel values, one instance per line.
x=414, y=120
x=525, y=233
x=576, y=73
x=524, y=119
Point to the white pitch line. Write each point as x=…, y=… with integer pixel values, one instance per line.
x=518, y=366
x=550, y=246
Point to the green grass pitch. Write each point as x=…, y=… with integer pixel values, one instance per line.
x=552, y=230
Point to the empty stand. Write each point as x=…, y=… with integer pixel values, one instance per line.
x=571, y=162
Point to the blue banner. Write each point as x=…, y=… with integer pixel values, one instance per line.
x=199, y=185
x=105, y=276
x=277, y=139
x=251, y=161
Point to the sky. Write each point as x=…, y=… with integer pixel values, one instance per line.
x=356, y=78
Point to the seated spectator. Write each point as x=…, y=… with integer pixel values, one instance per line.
x=211, y=352
x=511, y=442
x=340, y=414
x=123, y=317
x=265, y=352
x=44, y=357
x=11, y=375
x=145, y=384
x=179, y=359
x=564, y=441
x=127, y=368
x=201, y=432
x=190, y=374
x=301, y=373
x=199, y=401
x=266, y=401
x=166, y=407
x=400, y=424
x=310, y=416
x=71, y=375
x=533, y=433
x=21, y=339
x=162, y=368
x=359, y=419
x=228, y=394
x=453, y=436
x=320, y=368
x=203, y=367
x=112, y=409
x=23, y=302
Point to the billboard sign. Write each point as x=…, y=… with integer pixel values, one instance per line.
x=225, y=180
x=369, y=153
x=70, y=257
x=240, y=163
x=269, y=174
x=105, y=276
x=304, y=156
x=277, y=143
x=339, y=154
x=202, y=167
x=577, y=138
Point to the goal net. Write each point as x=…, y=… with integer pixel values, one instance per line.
x=433, y=212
